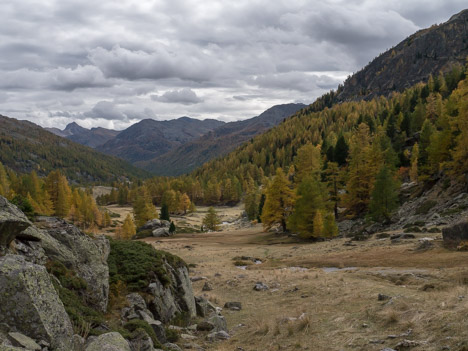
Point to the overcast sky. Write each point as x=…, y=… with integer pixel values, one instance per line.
x=112, y=63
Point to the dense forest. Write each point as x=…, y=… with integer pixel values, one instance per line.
x=346, y=158
x=326, y=161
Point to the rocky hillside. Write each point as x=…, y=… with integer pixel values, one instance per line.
x=149, y=138
x=62, y=290
x=426, y=52
x=93, y=137
x=24, y=147
x=218, y=142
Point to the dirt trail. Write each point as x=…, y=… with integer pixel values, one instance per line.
x=340, y=308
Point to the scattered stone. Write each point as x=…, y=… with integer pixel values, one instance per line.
x=259, y=286
x=203, y=306
x=207, y=287
x=217, y=275
x=376, y=341
x=365, y=325
x=234, y=306
x=382, y=297
x=109, y=342
x=387, y=349
x=188, y=337
x=221, y=335
x=21, y=340
x=172, y=347
x=196, y=279
x=406, y=344
x=213, y=323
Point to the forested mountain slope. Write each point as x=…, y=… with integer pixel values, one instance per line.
x=25, y=146
x=149, y=138
x=218, y=142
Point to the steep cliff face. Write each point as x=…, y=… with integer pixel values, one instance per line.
x=426, y=52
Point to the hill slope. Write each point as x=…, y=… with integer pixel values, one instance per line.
x=218, y=142
x=25, y=146
x=93, y=137
x=426, y=52
x=149, y=138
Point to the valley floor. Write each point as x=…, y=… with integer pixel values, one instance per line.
x=325, y=296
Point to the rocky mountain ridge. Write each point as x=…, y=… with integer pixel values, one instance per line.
x=93, y=137
x=428, y=51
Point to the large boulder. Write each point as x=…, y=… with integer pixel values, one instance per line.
x=456, y=233
x=79, y=252
x=154, y=227
x=109, y=342
x=29, y=303
x=12, y=223
x=168, y=300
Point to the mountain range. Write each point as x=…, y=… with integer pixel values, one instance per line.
x=176, y=146
x=179, y=146
x=26, y=147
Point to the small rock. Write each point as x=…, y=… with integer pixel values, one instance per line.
x=21, y=340
x=196, y=279
x=221, y=335
x=387, y=349
x=207, y=287
x=259, y=286
x=406, y=344
x=382, y=297
x=172, y=347
x=188, y=337
x=235, y=306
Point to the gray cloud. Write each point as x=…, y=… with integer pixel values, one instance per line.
x=111, y=63
x=182, y=96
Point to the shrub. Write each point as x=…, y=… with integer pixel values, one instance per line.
x=135, y=262
x=172, y=335
x=136, y=324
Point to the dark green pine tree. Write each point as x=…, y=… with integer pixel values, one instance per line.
x=341, y=151
x=384, y=197
x=172, y=228
x=164, y=213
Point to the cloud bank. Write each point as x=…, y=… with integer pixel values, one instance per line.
x=112, y=63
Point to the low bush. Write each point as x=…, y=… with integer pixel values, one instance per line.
x=135, y=263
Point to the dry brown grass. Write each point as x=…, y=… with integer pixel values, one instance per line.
x=341, y=309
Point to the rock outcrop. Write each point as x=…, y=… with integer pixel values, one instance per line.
x=109, y=342
x=456, y=233
x=12, y=223
x=178, y=297
x=29, y=303
x=86, y=256
x=154, y=227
